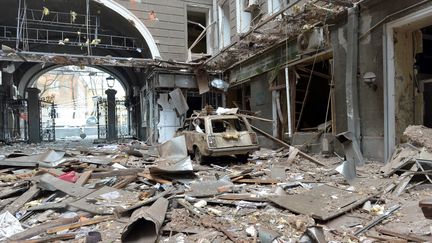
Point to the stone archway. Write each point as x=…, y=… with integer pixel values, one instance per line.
x=33, y=73
x=139, y=25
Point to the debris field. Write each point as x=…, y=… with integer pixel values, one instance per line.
x=132, y=192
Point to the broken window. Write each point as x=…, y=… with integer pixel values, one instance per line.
x=244, y=15
x=274, y=6
x=225, y=125
x=224, y=24
x=196, y=24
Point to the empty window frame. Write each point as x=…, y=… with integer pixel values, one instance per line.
x=197, y=20
x=224, y=24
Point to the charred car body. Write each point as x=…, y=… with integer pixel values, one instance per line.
x=219, y=135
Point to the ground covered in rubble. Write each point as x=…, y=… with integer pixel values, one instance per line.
x=84, y=192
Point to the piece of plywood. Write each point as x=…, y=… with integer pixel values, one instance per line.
x=97, y=203
x=322, y=202
x=202, y=80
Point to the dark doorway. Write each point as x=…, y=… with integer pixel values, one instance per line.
x=194, y=103
x=312, y=106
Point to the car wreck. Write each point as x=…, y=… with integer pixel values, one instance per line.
x=213, y=135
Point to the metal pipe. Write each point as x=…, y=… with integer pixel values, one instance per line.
x=288, y=97
x=351, y=85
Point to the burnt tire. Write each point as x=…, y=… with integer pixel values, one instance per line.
x=242, y=158
x=198, y=157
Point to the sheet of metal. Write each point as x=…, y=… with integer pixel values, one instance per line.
x=145, y=223
x=179, y=101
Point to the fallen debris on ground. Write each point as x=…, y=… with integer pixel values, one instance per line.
x=110, y=194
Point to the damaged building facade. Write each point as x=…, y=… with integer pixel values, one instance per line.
x=345, y=66
x=215, y=121
x=143, y=45
x=340, y=64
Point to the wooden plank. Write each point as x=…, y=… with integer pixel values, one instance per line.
x=292, y=155
x=23, y=199
x=50, y=238
x=258, y=181
x=51, y=183
x=84, y=177
x=145, y=202
x=304, y=155
x=154, y=178
x=405, y=178
x=409, y=237
x=243, y=197
x=125, y=172
x=36, y=230
x=121, y=184
x=21, y=188
x=7, y=201
x=79, y=224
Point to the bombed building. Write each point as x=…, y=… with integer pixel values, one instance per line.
x=215, y=121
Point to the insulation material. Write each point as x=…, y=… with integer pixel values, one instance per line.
x=179, y=101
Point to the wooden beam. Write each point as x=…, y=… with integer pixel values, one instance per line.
x=319, y=74
x=302, y=154
x=23, y=199
x=50, y=238
x=79, y=224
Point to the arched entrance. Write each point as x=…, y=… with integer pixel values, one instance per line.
x=84, y=31
x=74, y=104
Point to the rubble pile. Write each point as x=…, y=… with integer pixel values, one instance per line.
x=132, y=192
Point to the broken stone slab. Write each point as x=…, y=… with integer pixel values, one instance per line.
x=145, y=223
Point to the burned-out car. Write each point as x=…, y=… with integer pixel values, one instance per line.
x=219, y=135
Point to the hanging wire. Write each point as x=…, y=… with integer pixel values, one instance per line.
x=310, y=78
x=18, y=26
x=87, y=27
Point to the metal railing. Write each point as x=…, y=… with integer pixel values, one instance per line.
x=69, y=38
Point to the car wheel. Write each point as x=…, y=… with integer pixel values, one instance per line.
x=198, y=156
x=243, y=158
